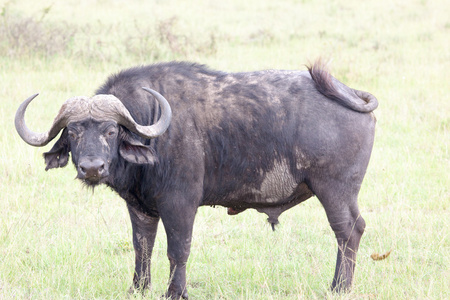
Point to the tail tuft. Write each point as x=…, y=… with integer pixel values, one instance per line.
x=333, y=89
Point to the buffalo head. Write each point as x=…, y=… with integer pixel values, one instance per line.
x=96, y=130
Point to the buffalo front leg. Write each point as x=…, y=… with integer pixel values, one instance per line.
x=178, y=220
x=340, y=203
x=144, y=233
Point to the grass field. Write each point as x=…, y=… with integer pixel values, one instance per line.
x=61, y=241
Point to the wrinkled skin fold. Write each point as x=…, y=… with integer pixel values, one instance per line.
x=266, y=140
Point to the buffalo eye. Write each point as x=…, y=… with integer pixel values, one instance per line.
x=111, y=133
x=72, y=135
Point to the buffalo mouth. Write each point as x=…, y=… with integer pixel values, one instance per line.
x=93, y=181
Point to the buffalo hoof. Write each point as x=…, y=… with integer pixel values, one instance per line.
x=137, y=290
x=340, y=287
x=172, y=295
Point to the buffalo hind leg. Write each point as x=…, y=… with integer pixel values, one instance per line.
x=340, y=203
x=144, y=233
x=348, y=235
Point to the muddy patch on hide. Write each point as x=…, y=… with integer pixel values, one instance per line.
x=277, y=184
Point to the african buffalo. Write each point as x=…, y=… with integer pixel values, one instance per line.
x=267, y=140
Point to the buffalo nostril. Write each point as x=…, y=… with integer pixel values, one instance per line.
x=101, y=169
x=83, y=170
x=92, y=168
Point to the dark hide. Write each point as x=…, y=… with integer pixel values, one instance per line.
x=266, y=140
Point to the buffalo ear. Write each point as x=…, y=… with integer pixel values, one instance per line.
x=58, y=156
x=135, y=152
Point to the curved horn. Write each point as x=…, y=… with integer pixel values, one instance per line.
x=99, y=107
x=150, y=131
x=42, y=139
x=163, y=123
x=33, y=138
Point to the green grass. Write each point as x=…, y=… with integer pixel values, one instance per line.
x=61, y=241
